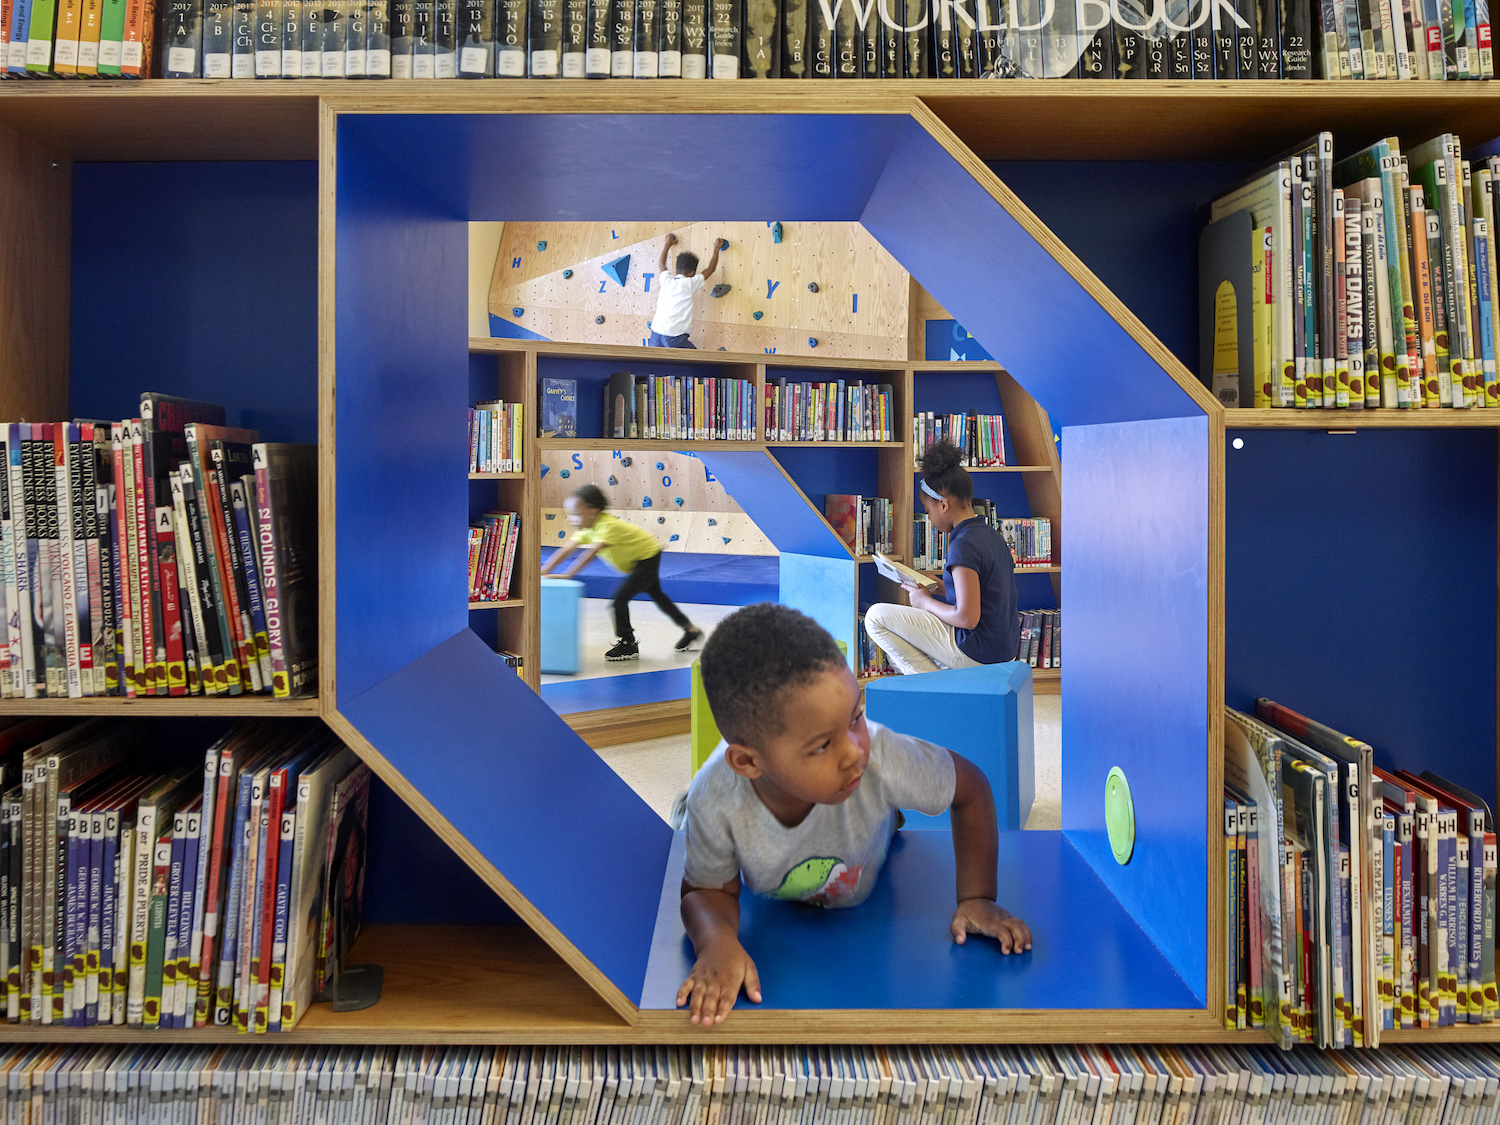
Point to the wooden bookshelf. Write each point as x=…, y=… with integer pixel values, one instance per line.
x=240, y=706
x=1344, y=420
x=497, y=476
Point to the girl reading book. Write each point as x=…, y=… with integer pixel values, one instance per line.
x=975, y=621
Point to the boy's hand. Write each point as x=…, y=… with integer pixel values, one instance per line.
x=715, y=982
x=981, y=916
x=723, y=244
x=671, y=239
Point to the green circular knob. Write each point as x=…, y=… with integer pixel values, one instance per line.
x=1119, y=815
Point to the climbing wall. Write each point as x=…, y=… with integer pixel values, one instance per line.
x=672, y=495
x=858, y=310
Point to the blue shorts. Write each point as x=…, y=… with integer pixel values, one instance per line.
x=657, y=340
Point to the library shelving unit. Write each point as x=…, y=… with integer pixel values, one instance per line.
x=1150, y=486
x=809, y=470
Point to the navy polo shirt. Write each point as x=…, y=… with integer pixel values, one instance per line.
x=978, y=546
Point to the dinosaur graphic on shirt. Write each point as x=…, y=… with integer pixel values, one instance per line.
x=820, y=881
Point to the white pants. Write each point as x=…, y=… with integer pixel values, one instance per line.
x=915, y=640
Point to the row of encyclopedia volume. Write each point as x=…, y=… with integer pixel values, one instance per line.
x=492, y=555
x=1368, y=897
x=866, y=524
x=150, y=889
x=1360, y=283
x=163, y=555
x=495, y=430
x=683, y=407
x=837, y=410
x=980, y=437
x=1041, y=638
x=768, y=1085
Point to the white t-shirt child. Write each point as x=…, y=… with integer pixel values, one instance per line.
x=674, y=304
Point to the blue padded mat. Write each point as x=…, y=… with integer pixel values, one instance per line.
x=568, y=697
x=893, y=950
x=694, y=579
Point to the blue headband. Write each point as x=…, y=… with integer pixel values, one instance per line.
x=927, y=488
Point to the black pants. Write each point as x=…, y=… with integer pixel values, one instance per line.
x=645, y=578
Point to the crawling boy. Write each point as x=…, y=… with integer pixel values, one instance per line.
x=802, y=798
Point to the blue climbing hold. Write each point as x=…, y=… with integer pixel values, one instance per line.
x=619, y=269
x=541, y=246
x=726, y=539
x=673, y=539
x=562, y=534
x=757, y=314
x=812, y=342
x=517, y=312
x=612, y=480
x=776, y=232
x=551, y=515
x=677, y=500
x=565, y=473
x=713, y=523
x=661, y=519
x=659, y=466
x=567, y=274
x=646, y=503
x=545, y=470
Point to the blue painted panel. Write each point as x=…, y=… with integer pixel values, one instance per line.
x=413, y=877
x=764, y=494
x=1370, y=607
x=509, y=330
x=738, y=167
x=950, y=340
x=403, y=381
x=503, y=786
x=210, y=292
x=1135, y=224
x=982, y=713
x=823, y=588
x=1024, y=308
x=1136, y=594
x=893, y=950
x=838, y=469
x=568, y=697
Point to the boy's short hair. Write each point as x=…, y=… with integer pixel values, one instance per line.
x=687, y=262
x=751, y=658
x=592, y=495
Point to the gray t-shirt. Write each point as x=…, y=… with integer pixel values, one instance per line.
x=834, y=856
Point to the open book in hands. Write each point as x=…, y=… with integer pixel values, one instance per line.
x=900, y=572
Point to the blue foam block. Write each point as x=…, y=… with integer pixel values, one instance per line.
x=982, y=713
x=560, y=598
x=893, y=951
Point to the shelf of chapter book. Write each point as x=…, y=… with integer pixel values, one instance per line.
x=228, y=706
x=1368, y=419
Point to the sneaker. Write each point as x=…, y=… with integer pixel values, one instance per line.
x=624, y=650
x=690, y=636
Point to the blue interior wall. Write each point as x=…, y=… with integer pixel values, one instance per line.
x=200, y=280
x=1136, y=690
x=1360, y=588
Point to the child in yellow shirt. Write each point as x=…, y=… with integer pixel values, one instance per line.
x=629, y=549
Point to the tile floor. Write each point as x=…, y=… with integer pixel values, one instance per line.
x=658, y=768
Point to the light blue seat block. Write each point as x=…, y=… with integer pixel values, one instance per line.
x=983, y=713
x=560, y=601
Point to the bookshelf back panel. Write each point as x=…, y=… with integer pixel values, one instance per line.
x=990, y=270
x=841, y=470
x=1139, y=651
x=210, y=291
x=1360, y=589
x=402, y=396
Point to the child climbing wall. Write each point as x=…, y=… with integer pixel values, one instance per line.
x=789, y=284
x=673, y=495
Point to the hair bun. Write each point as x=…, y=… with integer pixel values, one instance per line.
x=941, y=457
